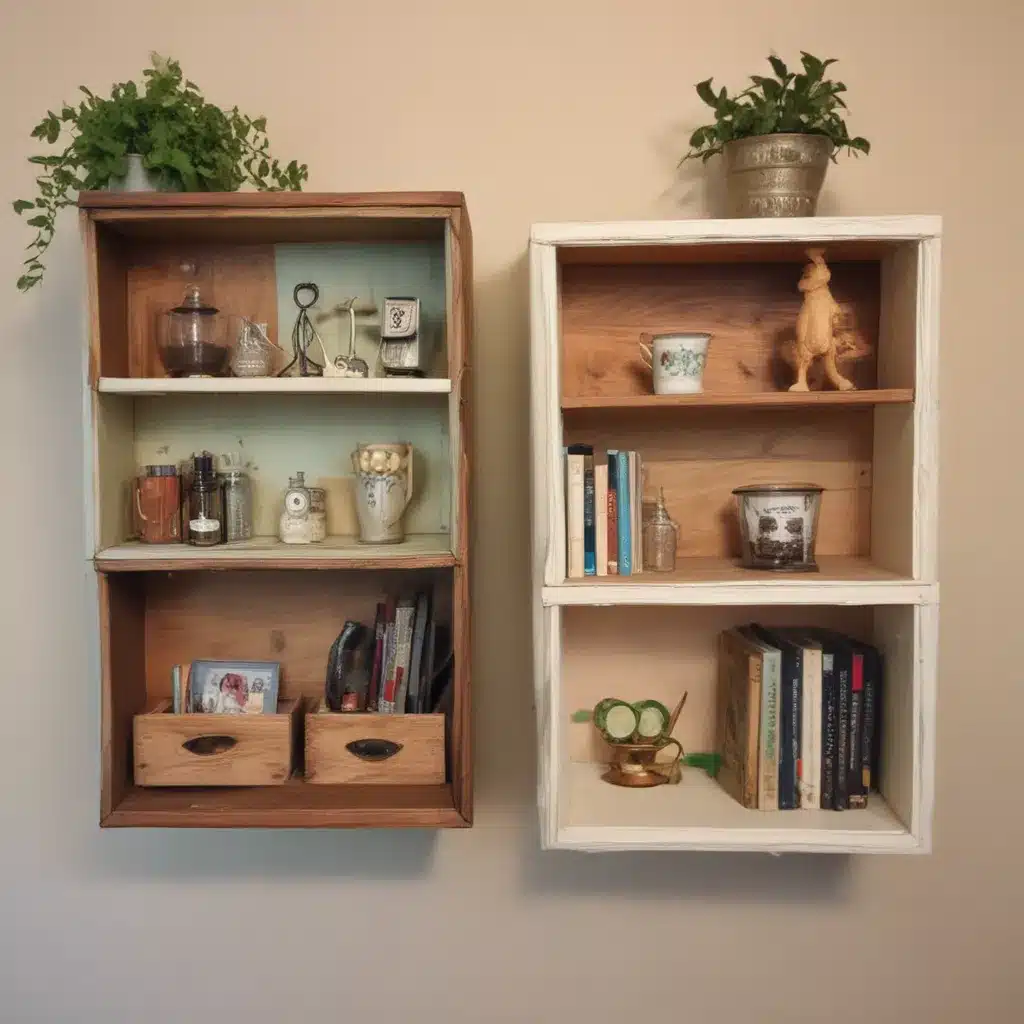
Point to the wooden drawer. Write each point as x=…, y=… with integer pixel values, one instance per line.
x=215, y=750
x=333, y=754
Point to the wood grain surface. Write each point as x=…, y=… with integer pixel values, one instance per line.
x=420, y=761
x=699, y=458
x=750, y=310
x=261, y=755
x=288, y=616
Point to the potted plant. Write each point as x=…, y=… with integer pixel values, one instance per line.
x=776, y=138
x=163, y=135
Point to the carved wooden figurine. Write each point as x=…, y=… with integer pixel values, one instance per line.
x=816, y=325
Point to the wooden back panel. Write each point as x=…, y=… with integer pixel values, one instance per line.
x=658, y=653
x=750, y=309
x=291, y=617
x=699, y=455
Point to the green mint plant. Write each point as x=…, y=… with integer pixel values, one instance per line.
x=190, y=144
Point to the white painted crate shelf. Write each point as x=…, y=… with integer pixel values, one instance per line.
x=594, y=288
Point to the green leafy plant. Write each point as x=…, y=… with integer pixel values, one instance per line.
x=190, y=144
x=803, y=102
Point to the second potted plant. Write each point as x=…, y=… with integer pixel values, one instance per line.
x=776, y=138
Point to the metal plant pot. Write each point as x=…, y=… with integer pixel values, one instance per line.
x=775, y=175
x=138, y=179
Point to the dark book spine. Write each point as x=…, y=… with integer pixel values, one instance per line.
x=829, y=729
x=789, y=747
x=373, y=692
x=877, y=689
x=872, y=667
x=589, y=518
x=613, y=514
x=858, y=795
x=843, y=692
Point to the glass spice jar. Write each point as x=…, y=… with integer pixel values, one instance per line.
x=237, y=499
x=660, y=536
x=205, y=503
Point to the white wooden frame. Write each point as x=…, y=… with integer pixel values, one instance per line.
x=919, y=590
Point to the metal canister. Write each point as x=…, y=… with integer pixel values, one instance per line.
x=318, y=513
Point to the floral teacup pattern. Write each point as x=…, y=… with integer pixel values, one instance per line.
x=676, y=361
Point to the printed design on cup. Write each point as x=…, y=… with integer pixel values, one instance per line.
x=682, y=362
x=383, y=489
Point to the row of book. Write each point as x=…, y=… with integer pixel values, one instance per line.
x=402, y=665
x=798, y=718
x=603, y=512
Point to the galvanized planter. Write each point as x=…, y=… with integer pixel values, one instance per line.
x=775, y=175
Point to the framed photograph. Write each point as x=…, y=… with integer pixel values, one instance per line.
x=234, y=687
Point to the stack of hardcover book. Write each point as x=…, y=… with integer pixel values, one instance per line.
x=603, y=512
x=798, y=718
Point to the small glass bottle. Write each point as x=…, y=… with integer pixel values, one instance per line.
x=205, y=503
x=660, y=535
x=237, y=499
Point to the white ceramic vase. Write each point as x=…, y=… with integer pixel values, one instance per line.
x=383, y=490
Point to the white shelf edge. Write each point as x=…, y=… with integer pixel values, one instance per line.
x=610, y=839
x=752, y=229
x=274, y=385
x=743, y=593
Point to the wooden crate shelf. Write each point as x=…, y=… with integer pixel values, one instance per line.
x=163, y=605
x=296, y=804
x=139, y=386
x=594, y=289
x=418, y=551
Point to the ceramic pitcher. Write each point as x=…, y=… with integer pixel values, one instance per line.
x=383, y=490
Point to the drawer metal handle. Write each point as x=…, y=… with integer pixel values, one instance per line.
x=373, y=750
x=204, y=746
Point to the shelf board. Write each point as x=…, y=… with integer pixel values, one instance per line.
x=698, y=814
x=274, y=385
x=841, y=580
x=751, y=400
x=296, y=804
x=418, y=551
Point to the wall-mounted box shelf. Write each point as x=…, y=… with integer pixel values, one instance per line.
x=594, y=289
x=260, y=599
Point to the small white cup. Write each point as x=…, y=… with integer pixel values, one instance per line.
x=676, y=361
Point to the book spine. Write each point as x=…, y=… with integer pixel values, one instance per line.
x=601, y=515
x=403, y=655
x=419, y=633
x=789, y=747
x=636, y=513
x=589, y=517
x=373, y=693
x=829, y=730
x=750, y=774
x=843, y=673
x=613, y=514
x=386, y=697
x=854, y=773
x=574, y=514
x=872, y=674
x=810, y=731
x=625, y=540
x=768, y=770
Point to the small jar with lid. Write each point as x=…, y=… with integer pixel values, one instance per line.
x=660, y=537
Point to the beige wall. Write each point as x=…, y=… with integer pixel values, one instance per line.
x=538, y=111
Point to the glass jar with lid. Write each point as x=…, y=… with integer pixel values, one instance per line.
x=660, y=537
x=193, y=338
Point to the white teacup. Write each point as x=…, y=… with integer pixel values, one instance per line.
x=676, y=361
